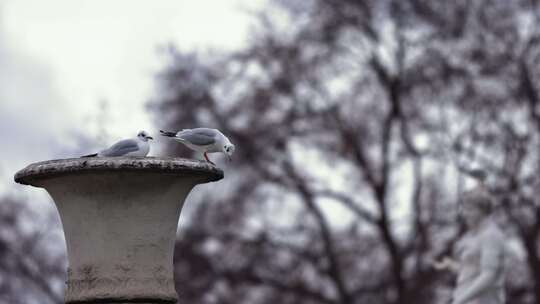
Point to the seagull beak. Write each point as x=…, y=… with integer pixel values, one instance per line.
x=149, y=137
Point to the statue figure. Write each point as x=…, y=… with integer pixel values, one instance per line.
x=479, y=254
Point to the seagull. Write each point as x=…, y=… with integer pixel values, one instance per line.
x=137, y=146
x=204, y=140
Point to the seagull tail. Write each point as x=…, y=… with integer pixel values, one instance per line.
x=90, y=155
x=167, y=133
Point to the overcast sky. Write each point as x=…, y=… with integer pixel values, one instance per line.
x=60, y=59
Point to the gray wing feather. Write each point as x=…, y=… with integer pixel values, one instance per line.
x=121, y=148
x=199, y=137
x=205, y=131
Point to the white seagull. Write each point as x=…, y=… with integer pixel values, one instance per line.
x=204, y=140
x=138, y=146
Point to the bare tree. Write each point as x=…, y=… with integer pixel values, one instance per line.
x=32, y=266
x=369, y=107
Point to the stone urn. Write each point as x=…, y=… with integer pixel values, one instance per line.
x=120, y=216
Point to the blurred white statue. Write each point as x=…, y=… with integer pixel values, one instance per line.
x=479, y=255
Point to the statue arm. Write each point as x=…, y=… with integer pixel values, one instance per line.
x=446, y=264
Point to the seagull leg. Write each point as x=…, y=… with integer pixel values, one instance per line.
x=208, y=160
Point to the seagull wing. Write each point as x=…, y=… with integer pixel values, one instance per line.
x=206, y=131
x=198, y=137
x=122, y=147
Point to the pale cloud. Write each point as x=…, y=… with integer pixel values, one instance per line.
x=32, y=113
x=108, y=49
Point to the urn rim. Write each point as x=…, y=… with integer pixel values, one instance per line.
x=166, y=165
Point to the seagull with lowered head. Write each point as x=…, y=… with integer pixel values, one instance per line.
x=204, y=140
x=138, y=146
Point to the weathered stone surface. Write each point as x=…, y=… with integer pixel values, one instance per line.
x=120, y=218
x=149, y=164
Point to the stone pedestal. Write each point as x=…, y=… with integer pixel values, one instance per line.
x=120, y=218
